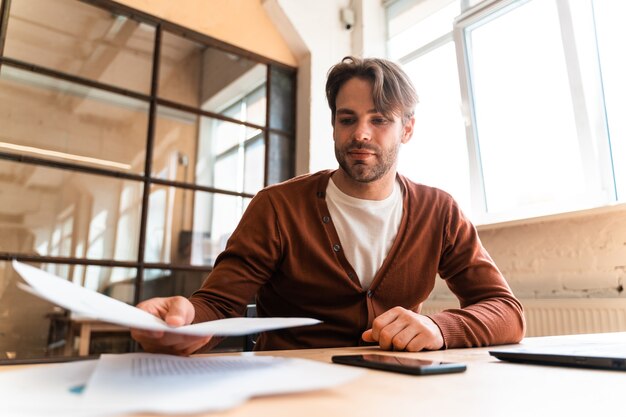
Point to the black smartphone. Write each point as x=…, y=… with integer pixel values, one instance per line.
x=400, y=364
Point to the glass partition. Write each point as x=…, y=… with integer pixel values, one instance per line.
x=215, y=81
x=187, y=227
x=44, y=330
x=81, y=40
x=62, y=121
x=53, y=212
x=208, y=152
x=175, y=142
x=126, y=143
x=283, y=100
x=280, y=146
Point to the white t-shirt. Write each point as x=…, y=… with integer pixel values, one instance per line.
x=366, y=228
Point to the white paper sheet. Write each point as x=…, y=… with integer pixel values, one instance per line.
x=100, y=307
x=142, y=382
x=50, y=390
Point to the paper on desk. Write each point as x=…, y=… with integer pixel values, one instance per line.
x=50, y=390
x=100, y=307
x=143, y=382
x=140, y=382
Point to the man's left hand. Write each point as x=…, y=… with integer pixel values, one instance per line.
x=402, y=329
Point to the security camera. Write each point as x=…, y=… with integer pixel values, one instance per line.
x=347, y=18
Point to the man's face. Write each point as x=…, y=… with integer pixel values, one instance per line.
x=366, y=142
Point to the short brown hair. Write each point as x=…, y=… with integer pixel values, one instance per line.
x=392, y=90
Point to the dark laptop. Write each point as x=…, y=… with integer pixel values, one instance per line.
x=601, y=355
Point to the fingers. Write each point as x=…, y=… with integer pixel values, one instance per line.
x=402, y=329
x=174, y=344
x=146, y=334
x=386, y=326
x=367, y=336
x=180, y=311
x=170, y=343
x=175, y=311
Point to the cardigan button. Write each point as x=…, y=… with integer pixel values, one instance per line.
x=369, y=293
x=336, y=248
x=325, y=219
x=320, y=194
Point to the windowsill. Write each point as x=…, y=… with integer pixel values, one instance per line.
x=617, y=207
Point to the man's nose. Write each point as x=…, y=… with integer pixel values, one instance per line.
x=362, y=132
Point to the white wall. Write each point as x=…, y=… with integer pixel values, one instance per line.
x=318, y=39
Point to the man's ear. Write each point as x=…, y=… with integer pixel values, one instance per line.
x=407, y=130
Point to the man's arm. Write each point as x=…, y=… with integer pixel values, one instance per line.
x=250, y=259
x=247, y=262
x=489, y=314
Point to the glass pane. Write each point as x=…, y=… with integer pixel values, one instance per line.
x=173, y=236
x=53, y=212
x=175, y=139
x=78, y=39
x=608, y=18
x=256, y=106
x=53, y=119
x=229, y=80
x=207, y=78
x=527, y=133
x=180, y=70
x=166, y=283
x=227, y=171
x=437, y=153
x=32, y=328
x=281, y=158
x=254, y=165
x=416, y=26
x=282, y=101
x=221, y=155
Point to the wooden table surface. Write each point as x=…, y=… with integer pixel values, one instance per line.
x=488, y=388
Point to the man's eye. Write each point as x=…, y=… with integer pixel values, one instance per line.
x=380, y=121
x=346, y=121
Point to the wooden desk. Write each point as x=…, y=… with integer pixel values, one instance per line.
x=488, y=388
x=83, y=328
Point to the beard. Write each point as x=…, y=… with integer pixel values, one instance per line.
x=362, y=171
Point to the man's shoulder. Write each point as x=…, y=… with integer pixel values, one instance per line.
x=424, y=192
x=302, y=183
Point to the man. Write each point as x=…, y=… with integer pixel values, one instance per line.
x=358, y=248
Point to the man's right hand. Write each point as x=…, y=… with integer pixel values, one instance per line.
x=175, y=311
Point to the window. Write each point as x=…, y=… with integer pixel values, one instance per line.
x=129, y=149
x=437, y=155
x=540, y=106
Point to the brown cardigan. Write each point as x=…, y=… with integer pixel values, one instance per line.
x=286, y=251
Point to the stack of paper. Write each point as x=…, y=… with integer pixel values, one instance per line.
x=142, y=382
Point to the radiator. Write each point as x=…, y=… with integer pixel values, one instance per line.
x=548, y=317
